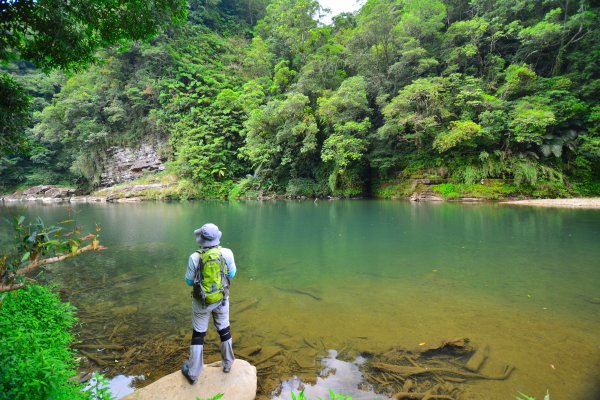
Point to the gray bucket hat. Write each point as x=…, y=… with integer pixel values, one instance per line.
x=208, y=235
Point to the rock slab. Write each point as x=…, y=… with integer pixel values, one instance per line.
x=239, y=384
x=123, y=164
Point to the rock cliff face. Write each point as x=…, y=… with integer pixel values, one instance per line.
x=125, y=164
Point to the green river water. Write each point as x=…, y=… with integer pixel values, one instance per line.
x=354, y=276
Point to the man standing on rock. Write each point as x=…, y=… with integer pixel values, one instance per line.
x=208, y=272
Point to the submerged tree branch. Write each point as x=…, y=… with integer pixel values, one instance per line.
x=8, y=288
x=39, y=262
x=45, y=261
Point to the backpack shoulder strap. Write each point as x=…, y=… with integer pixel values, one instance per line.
x=221, y=261
x=224, y=275
x=199, y=267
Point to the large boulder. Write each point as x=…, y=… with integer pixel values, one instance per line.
x=59, y=192
x=36, y=190
x=238, y=384
x=426, y=195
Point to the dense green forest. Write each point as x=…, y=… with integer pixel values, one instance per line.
x=258, y=96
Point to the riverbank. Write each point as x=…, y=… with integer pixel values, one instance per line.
x=166, y=187
x=593, y=202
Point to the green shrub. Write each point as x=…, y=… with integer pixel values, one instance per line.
x=491, y=190
x=48, y=177
x=587, y=188
x=37, y=362
x=245, y=188
x=393, y=189
x=448, y=190
x=386, y=191
x=302, y=187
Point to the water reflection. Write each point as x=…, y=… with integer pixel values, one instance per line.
x=340, y=376
x=119, y=386
x=122, y=385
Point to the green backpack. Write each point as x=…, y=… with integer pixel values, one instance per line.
x=211, y=282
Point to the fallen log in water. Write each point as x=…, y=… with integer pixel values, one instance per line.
x=129, y=353
x=248, y=306
x=437, y=392
x=460, y=343
x=432, y=372
x=250, y=352
x=407, y=371
x=269, y=352
x=422, y=396
x=300, y=292
x=97, y=360
x=100, y=346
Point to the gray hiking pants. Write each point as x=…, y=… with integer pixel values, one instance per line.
x=200, y=317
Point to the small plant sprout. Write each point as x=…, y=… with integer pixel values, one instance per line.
x=526, y=397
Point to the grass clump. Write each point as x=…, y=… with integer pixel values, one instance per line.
x=491, y=190
x=393, y=189
x=245, y=188
x=332, y=396
x=37, y=362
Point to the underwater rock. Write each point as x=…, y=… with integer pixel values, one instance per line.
x=478, y=358
x=239, y=384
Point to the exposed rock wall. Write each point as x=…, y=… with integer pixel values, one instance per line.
x=125, y=164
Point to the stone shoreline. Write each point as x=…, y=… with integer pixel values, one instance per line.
x=49, y=194
x=591, y=202
x=10, y=199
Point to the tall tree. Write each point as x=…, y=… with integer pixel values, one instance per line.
x=290, y=29
x=55, y=34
